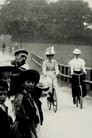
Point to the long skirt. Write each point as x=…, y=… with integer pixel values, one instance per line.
x=48, y=80
x=75, y=84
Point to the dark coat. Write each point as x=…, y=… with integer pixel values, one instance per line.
x=4, y=124
x=26, y=110
x=16, y=65
x=26, y=117
x=36, y=95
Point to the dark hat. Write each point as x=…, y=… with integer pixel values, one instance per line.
x=23, y=51
x=4, y=84
x=7, y=71
x=32, y=75
x=17, y=82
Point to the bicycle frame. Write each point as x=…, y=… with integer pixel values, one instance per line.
x=49, y=76
x=53, y=98
x=79, y=75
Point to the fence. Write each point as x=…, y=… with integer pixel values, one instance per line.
x=64, y=70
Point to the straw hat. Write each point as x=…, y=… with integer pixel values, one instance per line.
x=22, y=51
x=76, y=51
x=50, y=51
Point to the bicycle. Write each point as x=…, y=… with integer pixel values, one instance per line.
x=52, y=98
x=79, y=97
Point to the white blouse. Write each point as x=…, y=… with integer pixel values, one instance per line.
x=50, y=66
x=77, y=64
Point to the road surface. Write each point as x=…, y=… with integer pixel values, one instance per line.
x=68, y=121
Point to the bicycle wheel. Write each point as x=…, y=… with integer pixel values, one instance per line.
x=81, y=102
x=49, y=103
x=76, y=101
x=54, y=102
x=81, y=98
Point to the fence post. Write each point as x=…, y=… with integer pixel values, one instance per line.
x=66, y=72
x=91, y=78
x=62, y=77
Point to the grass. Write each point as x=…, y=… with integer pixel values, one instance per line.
x=63, y=52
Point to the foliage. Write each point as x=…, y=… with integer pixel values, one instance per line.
x=36, y=20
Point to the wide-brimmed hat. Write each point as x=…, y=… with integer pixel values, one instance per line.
x=8, y=71
x=3, y=84
x=50, y=51
x=23, y=51
x=76, y=51
x=30, y=74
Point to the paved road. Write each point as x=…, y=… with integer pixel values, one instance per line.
x=69, y=121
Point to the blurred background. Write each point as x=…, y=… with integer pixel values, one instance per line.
x=37, y=24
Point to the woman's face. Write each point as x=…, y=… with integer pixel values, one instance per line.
x=76, y=56
x=50, y=57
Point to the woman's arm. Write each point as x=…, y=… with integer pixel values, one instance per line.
x=44, y=68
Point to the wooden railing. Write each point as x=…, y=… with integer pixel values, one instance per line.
x=64, y=70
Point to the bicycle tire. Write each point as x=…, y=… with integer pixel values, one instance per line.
x=81, y=98
x=49, y=103
x=81, y=102
x=55, y=103
x=76, y=101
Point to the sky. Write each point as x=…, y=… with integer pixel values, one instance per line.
x=89, y=1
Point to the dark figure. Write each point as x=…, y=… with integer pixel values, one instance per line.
x=3, y=47
x=32, y=78
x=5, y=119
x=36, y=95
x=20, y=60
x=26, y=108
x=6, y=73
x=26, y=117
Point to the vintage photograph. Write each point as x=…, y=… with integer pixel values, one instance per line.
x=45, y=69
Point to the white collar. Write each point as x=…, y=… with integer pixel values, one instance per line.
x=3, y=107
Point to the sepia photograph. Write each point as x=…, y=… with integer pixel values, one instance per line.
x=45, y=68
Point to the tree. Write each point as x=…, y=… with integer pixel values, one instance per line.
x=37, y=20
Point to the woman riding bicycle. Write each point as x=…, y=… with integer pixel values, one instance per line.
x=77, y=66
x=50, y=68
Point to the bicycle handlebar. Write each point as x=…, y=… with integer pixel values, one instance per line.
x=78, y=74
